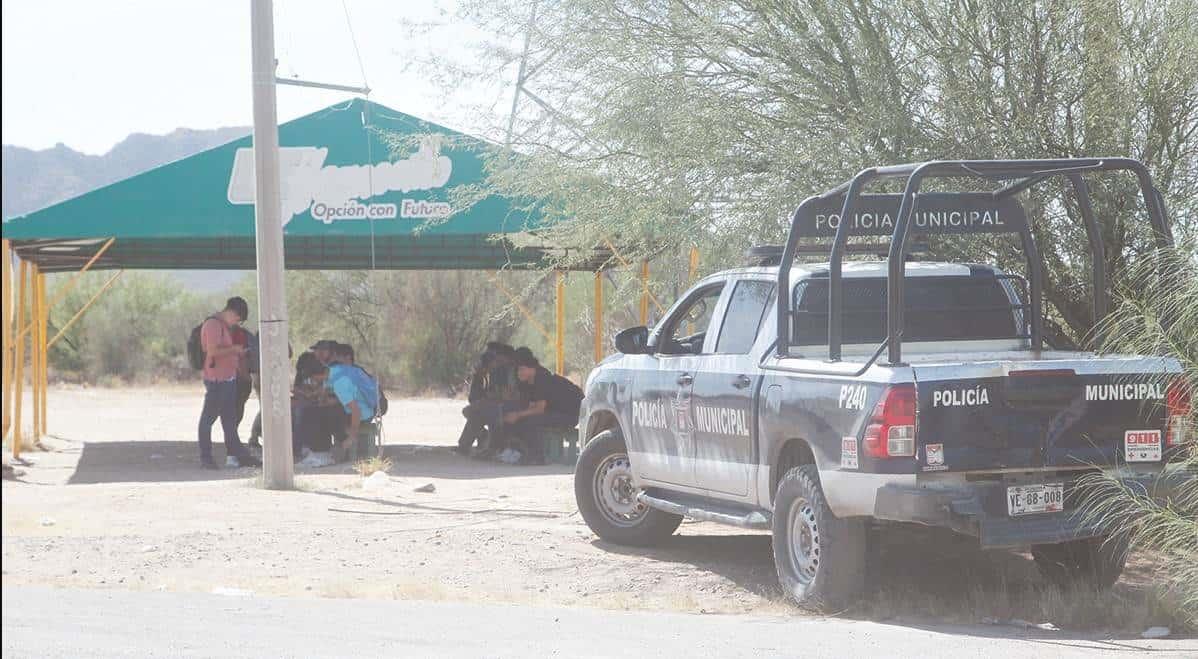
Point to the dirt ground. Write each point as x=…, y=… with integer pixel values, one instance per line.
x=118, y=501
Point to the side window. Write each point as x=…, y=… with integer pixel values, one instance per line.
x=686, y=330
x=742, y=320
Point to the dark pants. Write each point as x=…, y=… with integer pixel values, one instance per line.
x=321, y=426
x=529, y=429
x=245, y=387
x=220, y=401
x=483, y=416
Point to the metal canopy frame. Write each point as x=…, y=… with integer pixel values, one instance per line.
x=1017, y=176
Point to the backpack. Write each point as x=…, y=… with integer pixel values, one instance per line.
x=371, y=382
x=195, y=347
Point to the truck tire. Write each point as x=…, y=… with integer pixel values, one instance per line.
x=820, y=558
x=1093, y=562
x=607, y=498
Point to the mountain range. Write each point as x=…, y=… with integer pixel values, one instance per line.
x=34, y=179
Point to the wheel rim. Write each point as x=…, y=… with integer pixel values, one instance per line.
x=804, y=541
x=615, y=492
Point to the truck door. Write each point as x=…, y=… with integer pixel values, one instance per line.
x=662, y=446
x=725, y=384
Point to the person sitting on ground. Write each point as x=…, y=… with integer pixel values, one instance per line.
x=358, y=394
x=493, y=391
x=316, y=416
x=554, y=401
x=221, y=356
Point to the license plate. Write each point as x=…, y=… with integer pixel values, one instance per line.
x=1032, y=499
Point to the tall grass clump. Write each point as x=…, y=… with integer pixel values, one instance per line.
x=1156, y=313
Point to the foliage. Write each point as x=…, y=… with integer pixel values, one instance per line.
x=415, y=330
x=1158, y=314
x=136, y=331
x=668, y=123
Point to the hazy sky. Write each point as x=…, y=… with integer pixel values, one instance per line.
x=88, y=73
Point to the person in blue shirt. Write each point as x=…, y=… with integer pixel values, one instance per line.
x=356, y=391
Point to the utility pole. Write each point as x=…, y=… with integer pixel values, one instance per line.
x=274, y=366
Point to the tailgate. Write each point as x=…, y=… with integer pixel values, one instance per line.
x=1040, y=414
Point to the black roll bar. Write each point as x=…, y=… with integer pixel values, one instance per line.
x=1025, y=173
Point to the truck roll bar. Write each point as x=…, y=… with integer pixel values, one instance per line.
x=995, y=212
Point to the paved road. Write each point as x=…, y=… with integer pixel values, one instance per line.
x=43, y=622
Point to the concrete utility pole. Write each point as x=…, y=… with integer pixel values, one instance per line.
x=274, y=367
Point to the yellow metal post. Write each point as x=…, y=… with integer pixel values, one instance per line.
x=644, y=280
x=35, y=352
x=19, y=365
x=79, y=314
x=66, y=288
x=6, y=361
x=559, y=335
x=44, y=349
x=598, y=316
x=520, y=307
x=645, y=292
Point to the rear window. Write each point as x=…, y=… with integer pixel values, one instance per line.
x=959, y=308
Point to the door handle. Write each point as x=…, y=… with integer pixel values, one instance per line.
x=686, y=379
x=742, y=381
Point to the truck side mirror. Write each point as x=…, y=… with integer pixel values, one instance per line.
x=633, y=341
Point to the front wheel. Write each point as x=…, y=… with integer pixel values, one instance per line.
x=607, y=498
x=820, y=558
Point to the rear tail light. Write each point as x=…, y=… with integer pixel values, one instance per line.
x=891, y=429
x=1177, y=412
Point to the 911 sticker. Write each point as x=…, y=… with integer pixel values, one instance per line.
x=1142, y=446
x=848, y=453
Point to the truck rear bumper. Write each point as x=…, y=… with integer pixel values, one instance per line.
x=979, y=510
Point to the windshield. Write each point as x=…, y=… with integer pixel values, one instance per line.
x=951, y=308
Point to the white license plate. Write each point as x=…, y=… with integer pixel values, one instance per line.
x=1032, y=499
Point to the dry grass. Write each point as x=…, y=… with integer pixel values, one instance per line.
x=370, y=465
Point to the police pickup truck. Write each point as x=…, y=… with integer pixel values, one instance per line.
x=815, y=400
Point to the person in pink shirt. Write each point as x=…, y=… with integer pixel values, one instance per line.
x=222, y=357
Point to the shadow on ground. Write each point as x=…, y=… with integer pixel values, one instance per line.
x=150, y=461
x=926, y=578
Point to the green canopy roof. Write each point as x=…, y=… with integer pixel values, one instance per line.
x=350, y=201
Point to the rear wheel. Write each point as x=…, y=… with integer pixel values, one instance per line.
x=607, y=497
x=820, y=558
x=1093, y=562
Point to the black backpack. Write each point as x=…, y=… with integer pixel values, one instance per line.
x=195, y=347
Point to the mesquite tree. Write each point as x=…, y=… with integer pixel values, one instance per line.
x=661, y=124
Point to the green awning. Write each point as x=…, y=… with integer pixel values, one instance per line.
x=350, y=201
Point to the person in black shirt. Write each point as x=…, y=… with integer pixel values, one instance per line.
x=492, y=392
x=554, y=401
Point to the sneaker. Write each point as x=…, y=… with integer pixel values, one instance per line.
x=208, y=463
x=249, y=461
x=317, y=459
x=231, y=462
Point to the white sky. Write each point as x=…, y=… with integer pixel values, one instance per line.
x=88, y=73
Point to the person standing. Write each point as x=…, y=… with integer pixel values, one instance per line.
x=221, y=360
x=245, y=368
